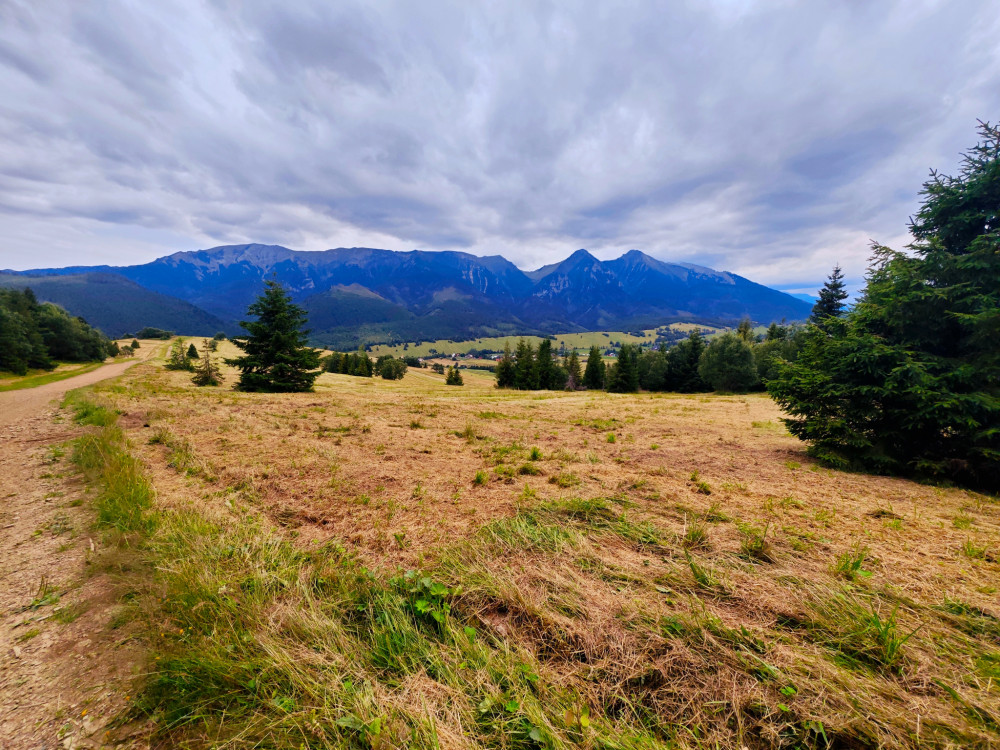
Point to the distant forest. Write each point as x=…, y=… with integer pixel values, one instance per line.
x=36, y=335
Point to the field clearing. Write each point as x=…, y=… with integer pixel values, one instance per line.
x=579, y=341
x=650, y=570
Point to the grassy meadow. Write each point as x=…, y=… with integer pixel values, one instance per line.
x=384, y=564
x=579, y=341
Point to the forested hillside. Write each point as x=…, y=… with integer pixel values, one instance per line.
x=39, y=335
x=117, y=306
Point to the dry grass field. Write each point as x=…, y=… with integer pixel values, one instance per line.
x=591, y=570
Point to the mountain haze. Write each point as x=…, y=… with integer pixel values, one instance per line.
x=369, y=294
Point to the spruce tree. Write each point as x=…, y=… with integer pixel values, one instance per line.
x=909, y=380
x=593, y=374
x=776, y=332
x=277, y=356
x=192, y=353
x=178, y=358
x=624, y=377
x=682, y=365
x=545, y=368
x=207, y=372
x=454, y=377
x=505, y=368
x=574, y=376
x=525, y=373
x=831, y=298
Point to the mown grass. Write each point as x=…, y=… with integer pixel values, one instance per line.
x=576, y=619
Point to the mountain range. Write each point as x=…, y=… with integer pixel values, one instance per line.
x=363, y=294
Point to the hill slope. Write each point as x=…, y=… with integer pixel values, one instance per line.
x=116, y=305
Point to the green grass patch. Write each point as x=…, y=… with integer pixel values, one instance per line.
x=37, y=378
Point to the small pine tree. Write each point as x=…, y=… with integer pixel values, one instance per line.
x=593, y=374
x=278, y=358
x=776, y=333
x=207, y=372
x=192, y=353
x=454, y=377
x=178, y=358
x=831, y=298
x=134, y=344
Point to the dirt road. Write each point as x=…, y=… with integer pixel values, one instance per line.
x=64, y=672
x=16, y=406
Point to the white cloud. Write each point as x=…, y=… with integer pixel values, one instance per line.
x=767, y=139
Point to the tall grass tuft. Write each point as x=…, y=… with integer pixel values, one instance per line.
x=124, y=495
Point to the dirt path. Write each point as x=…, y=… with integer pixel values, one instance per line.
x=63, y=671
x=16, y=406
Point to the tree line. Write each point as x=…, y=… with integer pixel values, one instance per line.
x=361, y=365
x=36, y=335
x=734, y=361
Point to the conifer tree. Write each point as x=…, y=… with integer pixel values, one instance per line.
x=207, y=372
x=178, y=358
x=525, y=374
x=505, y=368
x=624, y=376
x=278, y=358
x=831, y=298
x=682, y=365
x=545, y=368
x=454, y=377
x=776, y=332
x=909, y=380
x=574, y=375
x=192, y=353
x=593, y=374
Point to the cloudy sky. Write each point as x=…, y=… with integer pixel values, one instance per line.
x=772, y=139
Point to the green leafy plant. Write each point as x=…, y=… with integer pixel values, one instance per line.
x=428, y=598
x=850, y=564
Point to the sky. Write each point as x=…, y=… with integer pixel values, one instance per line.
x=770, y=139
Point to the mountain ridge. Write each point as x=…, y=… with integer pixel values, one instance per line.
x=446, y=294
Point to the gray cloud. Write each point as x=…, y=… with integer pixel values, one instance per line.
x=772, y=139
